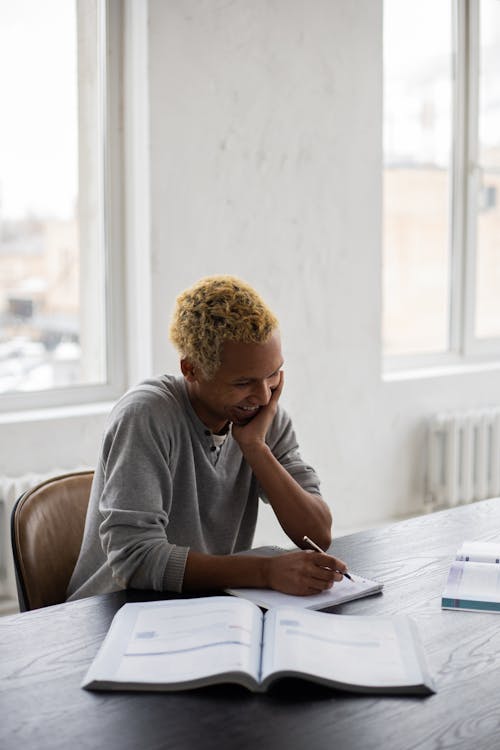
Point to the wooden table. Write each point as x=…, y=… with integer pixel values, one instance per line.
x=45, y=653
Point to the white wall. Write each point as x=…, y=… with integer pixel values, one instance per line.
x=265, y=162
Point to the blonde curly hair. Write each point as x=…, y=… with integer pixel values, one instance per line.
x=214, y=310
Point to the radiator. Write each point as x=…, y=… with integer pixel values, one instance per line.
x=463, y=457
x=11, y=488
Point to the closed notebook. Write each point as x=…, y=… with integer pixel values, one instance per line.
x=474, y=578
x=342, y=591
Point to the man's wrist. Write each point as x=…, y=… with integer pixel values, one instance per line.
x=255, y=450
x=264, y=572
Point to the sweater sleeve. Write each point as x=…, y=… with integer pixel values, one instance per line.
x=283, y=443
x=135, y=503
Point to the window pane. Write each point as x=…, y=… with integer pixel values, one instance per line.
x=50, y=210
x=487, y=318
x=417, y=155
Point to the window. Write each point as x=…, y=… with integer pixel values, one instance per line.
x=59, y=212
x=487, y=175
x=441, y=221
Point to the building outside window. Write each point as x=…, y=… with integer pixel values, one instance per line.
x=56, y=233
x=441, y=221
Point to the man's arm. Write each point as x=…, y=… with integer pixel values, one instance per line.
x=298, y=511
x=299, y=573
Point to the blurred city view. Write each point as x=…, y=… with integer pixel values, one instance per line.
x=39, y=304
x=46, y=52
x=419, y=79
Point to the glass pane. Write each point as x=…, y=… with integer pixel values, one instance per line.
x=46, y=49
x=487, y=319
x=418, y=91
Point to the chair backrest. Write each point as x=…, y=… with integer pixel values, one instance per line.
x=47, y=526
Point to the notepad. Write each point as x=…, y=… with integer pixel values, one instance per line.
x=474, y=578
x=341, y=591
x=192, y=643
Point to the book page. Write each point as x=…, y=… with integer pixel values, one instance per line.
x=177, y=641
x=473, y=580
x=364, y=651
x=488, y=552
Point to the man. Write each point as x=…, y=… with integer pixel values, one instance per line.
x=185, y=459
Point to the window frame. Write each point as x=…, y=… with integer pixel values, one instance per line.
x=112, y=235
x=465, y=350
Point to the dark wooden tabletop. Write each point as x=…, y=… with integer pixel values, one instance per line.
x=44, y=655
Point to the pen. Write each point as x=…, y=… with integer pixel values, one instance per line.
x=318, y=549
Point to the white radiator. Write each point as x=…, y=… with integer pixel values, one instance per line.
x=11, y=488
x=463, y=457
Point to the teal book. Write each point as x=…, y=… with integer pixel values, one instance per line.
x=474, y=578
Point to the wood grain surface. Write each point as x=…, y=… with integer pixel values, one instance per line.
x=44, y=655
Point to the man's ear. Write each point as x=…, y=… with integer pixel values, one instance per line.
x=188, y=370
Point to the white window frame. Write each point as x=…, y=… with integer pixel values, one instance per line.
x=112, y=236
x=465, y=350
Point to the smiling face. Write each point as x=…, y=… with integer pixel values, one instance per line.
x=241, y=386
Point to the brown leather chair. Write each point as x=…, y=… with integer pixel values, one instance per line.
x=46, y=529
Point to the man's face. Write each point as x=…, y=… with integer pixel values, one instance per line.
x=241, y=386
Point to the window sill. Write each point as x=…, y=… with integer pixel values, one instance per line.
x=438, y=371
x=57, y=412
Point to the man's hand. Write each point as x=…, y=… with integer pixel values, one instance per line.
x=254, y=432
x=299, y=573
x=304, y=572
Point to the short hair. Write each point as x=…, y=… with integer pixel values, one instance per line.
x=214, y=310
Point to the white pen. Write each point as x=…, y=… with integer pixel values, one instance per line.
x=318, y=549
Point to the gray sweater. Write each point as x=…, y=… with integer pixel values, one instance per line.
x=161, y=487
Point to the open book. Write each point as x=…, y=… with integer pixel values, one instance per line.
x=474, y=578
x=189, y=643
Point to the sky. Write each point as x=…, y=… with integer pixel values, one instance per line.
x=38, y=135
x=418, y=79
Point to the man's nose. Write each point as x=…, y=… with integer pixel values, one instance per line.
x=261, y=392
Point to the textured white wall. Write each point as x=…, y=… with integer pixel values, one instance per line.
x=265, y=161
x=266, y=137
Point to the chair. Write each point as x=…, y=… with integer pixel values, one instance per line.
x=47, y=526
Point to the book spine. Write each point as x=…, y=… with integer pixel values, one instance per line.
x=447, y=603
